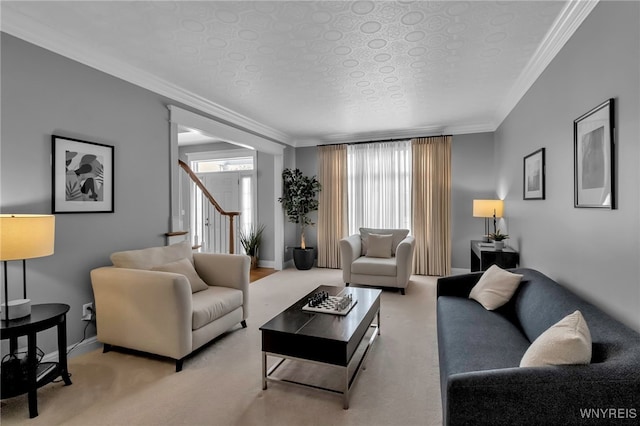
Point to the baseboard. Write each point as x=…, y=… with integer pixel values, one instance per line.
x=76, y=349
x=266, y=264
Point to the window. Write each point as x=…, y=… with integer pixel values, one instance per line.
x=223, y=164
x=379, y=185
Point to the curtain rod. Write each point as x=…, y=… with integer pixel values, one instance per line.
x=381, y=140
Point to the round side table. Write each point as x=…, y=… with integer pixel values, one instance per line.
x=43, y=317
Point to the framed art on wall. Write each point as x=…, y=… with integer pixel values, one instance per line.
x=82, y=176
x=594, y=157
x=533, y=176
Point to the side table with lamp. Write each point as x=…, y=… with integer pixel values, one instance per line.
x=26, y=237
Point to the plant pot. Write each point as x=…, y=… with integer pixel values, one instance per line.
x=498, y=245
x=304, y=258
x=254, y=262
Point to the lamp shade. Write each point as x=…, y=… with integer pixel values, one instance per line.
x=26, y=236
x=486, y=208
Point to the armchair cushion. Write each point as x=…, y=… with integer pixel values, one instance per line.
x=375, y=266
x=184, y=267
x=379, y=245
x=153, y=256
x=214, y=303
x=398, y=235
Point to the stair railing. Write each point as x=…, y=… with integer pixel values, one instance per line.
x=219, y=209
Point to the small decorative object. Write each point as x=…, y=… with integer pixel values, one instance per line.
x=498, y=239
x=594, y=157
x=251, y=241
x=82, y=176
x=322, y=303
x=533, y=179
x=299, y=198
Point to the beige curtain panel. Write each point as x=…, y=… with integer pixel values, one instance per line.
x=332, y=213
x=431, y=205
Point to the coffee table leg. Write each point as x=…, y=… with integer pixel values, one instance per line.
x=378, y=322
x=345, y=396
x=264, y=370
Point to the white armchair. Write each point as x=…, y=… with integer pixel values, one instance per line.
x=168, y=300
x=378, y=257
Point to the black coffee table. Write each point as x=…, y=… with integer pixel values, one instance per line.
x=322, y=338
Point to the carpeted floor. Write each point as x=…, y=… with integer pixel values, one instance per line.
x=221, y=385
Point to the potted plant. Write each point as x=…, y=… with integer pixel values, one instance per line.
x=251, y=241
x=498, y=239
x=299, y=199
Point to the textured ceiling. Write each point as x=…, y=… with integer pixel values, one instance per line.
x=321, y=71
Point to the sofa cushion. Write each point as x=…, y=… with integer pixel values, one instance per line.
x=566, y=342
x=153, y=256
x=375, y=266
x=379, y=245
x=470, y=338
x=184, y=267
x=398, y=236
x=495, y=287
x=213, y=303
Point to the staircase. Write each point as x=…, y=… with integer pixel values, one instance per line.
x=222, y=216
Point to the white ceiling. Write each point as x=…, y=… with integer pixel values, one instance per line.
x=307, y=72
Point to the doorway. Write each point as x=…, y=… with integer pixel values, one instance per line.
x=229, y=176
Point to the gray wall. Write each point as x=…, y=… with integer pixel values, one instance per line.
x=43, y=94
x=266, y=205
x=472, y=177
x=595, y=252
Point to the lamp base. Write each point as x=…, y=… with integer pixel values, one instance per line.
x=17, y=308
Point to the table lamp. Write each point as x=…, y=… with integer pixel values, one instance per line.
x=23, y=236
x=487, y=209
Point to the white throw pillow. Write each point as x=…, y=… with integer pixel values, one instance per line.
x=184, y=267
x=379, y=245
x=495, y=287
x=566, y=342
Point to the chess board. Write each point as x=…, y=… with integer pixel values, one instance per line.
x=330, y=306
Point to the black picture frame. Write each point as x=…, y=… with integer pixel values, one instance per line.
x=82, y=176
x=533, y=176
x=594, y=157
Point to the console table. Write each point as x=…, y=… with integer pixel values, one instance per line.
x=43, y=317
x=484, y=255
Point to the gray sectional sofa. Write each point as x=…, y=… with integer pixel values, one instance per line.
x=480, y=353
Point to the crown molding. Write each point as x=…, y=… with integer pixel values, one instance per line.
x=25, y=28
x=339, y=138
x=567, y=22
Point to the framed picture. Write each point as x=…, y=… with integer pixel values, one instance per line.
x=82, y=176
x=533, y=176
x=594, y=157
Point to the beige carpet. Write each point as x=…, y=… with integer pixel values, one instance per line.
x=221, y=385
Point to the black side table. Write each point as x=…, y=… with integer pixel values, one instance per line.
x=484, y=255
x=42, y=318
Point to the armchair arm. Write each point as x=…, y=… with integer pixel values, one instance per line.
x=404, y=260
x=225, y=270
x=350, y=249
x=150, y=311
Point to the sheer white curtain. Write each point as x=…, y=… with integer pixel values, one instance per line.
x=379, y=185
